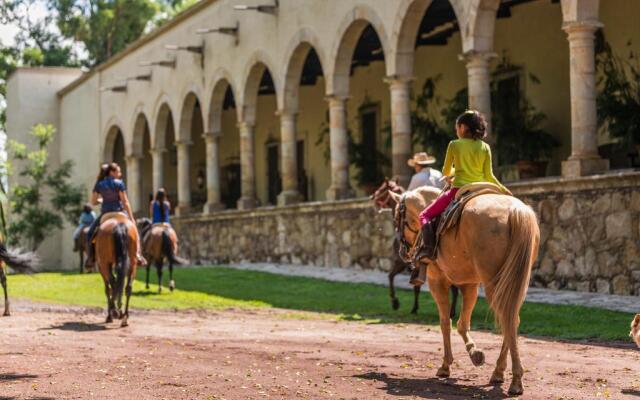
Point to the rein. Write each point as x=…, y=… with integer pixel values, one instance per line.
x=407, y=250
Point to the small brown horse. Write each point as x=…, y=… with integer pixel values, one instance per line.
x=116, y=249
x=495, y=244
x=383, y=200
x=81, y=245
x=160, y=242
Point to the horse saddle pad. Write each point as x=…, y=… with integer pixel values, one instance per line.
x=451, y=216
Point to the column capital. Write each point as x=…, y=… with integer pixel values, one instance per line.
x=398, y=80
x=211, y=136
x=336, y=99
x=286, y=113
x=158, y=151
x=588, y=26
x=134, y=156
x=245, y=125
x=475, y=56
x=183, y=143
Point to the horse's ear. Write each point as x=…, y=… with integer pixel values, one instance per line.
x=395, y=196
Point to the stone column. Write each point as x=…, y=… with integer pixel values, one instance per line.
x=247, y=168
x=213, y=173
x=479, y=84
x=157, y=156
x=339, y=147
x=184, y=179
x=134, y=182
x=401, y=148
x=584, y=159
x=289, y=159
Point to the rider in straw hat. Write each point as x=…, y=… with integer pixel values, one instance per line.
x=425, y=175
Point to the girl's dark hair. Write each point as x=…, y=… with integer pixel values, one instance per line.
x=106, y=169
x=161, y=195
x=87, y=208
x=475, y=123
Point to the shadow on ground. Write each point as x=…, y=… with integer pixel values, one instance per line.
x=433, y=388
x=76, y=327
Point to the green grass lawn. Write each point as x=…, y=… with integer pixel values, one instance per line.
x=215, y=288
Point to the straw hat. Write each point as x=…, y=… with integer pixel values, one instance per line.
x=421, y=159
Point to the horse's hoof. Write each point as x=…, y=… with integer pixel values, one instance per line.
x=109, y=320
x=124, y=322
x=477, y=358
x=114, y=314
x=120, y=315
x=160, y=290
x=395, y=304
x=497, y=378
x=515, y=389
x=443, y=372
x=147, y=287
x=172, y=285
x=6, y=313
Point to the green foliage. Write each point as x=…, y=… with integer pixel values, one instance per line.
x=618, y=98
x=220, y=288
x=429, y=133
x=517, y=125
x=41, y=199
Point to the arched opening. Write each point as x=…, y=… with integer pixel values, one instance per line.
x=260, y=108
x=362, y=71
x=192, y=131
x=165, y=145
x=223, y=120
x=304, y=92
x=142, y=148
x=115, y=149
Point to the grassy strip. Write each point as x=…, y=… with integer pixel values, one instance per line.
x=216, y=288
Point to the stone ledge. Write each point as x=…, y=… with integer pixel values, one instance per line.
x=611, y=180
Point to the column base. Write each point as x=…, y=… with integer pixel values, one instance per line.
x=210, y=208
x=183, y=209
x=585, y=166
x=247, y=203
x=289, y=197
x=334, y=193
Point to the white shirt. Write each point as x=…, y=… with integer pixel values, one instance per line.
x=426, y=177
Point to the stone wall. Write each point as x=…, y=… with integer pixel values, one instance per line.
x=590, y=238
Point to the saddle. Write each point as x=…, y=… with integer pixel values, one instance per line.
x=450, y=218
x=118, y=215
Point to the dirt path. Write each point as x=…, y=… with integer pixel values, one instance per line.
x=238, y=354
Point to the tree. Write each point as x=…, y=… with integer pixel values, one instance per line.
x=41, y=199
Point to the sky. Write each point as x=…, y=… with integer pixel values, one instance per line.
x=8, y=31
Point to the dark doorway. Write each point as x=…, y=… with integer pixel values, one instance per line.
x=230, y=190
x=303, y=182
x=370, y=152
x=273, y=173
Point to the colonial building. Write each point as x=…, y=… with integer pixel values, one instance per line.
x=228, y=106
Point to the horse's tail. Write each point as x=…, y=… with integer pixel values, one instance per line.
x=511, y=283
x=19, y=261
x=123, y=262
x=167, y=250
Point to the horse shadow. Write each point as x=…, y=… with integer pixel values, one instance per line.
x=76, y=327
x=631, y=392
x=433, y=388
x=15, y=377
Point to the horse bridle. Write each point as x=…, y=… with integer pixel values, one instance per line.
x=406, y=250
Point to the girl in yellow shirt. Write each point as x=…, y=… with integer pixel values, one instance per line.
x=468, y=160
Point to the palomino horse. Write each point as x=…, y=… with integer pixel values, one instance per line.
x=21, y=262
x=383, y=200
x=159, y=242
x=495, y=244
x=81, y=245
x=116, y=249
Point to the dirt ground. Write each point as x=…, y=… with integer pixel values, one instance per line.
x=52, y=352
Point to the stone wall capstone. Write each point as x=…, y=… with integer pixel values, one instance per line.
x=590, y=234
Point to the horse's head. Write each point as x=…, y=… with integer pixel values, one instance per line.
x=381, y=198
x=143, y=223
x=406, y=218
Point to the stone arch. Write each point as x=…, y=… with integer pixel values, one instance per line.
x=478, y=33
x=298, y=49
x=192, y=97
x=348, y=36
x=163, y=110
x=406, y=26
x=139, y=125
x=257, y=65
x=114, y=147
x=221, y=83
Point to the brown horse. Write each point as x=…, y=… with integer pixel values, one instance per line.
x=495, y=245
x=160, y=242
x=20, y=262
x=116, y=248
x=81, y=245
x=383, y=200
